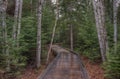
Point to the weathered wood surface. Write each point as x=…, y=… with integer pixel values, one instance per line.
x=66, y=65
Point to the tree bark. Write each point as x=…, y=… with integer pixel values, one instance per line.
x=3, y=8
x=19, y=21
x=38, y=53
x=115, y=11
x=54, y=30
x=100, y=25
x=71, y=37
x=115, y=24
x=31, y=3
x=15, y=20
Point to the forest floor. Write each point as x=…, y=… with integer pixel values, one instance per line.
x=32, y=73
x=95, y=70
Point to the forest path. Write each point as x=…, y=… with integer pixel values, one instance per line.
x=66, y=65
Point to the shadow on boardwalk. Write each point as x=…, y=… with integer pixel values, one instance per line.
x=66, y=65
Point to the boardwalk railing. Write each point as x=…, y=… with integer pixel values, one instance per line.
x=66, y=65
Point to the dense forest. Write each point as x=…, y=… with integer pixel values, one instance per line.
x=29, y=28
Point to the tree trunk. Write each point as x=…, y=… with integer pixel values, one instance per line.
x=115, y=24
x=54, y=29
x=115, y=11
x=15, y=20
x=39, y=14
x=19, y=21
x=71, y=37
x=100, y=25
x=31, y=4
x=3, y=8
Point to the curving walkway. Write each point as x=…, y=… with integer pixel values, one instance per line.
x=66, y=65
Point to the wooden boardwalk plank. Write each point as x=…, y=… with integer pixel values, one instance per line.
x=65, y=66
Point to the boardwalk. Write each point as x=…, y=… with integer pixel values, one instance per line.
x=66, y=65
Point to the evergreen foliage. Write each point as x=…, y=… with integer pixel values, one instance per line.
x=112, y=66
x=78, y=13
